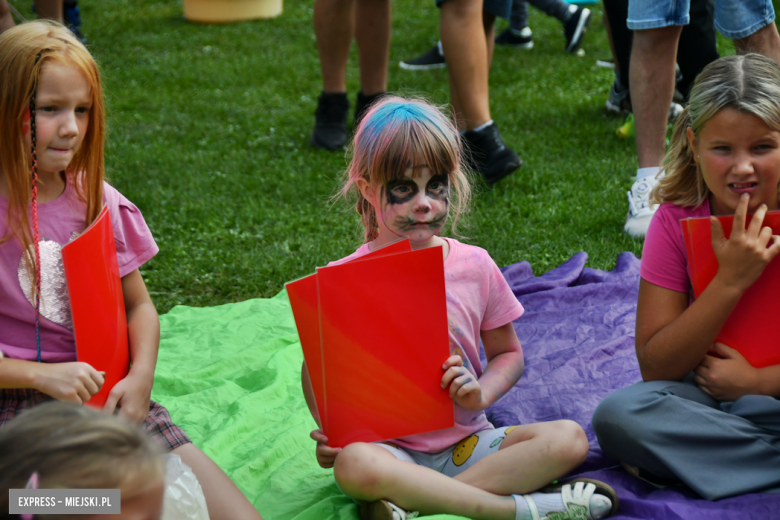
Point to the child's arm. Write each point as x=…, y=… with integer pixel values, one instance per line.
x=672, y=338
x=74, y=382
x=132, y=394
x=504, y=368
x=326, y=456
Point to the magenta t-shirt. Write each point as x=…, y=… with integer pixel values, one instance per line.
x=664, y=260
x=478, y=298
x=59, y=221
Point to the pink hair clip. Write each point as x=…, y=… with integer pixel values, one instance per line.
x=32, y=483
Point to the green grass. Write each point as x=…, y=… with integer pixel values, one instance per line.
x=208, y=135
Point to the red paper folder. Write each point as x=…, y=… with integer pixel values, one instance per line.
x=97, y=303
x=384, y=337
x=303, y=300
x=750, y=328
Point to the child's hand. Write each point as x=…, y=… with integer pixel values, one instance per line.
x=728, y=377
x=743, y=257
x=71, y=382
x=131, y=395
x=465, y=389
x=326, y=456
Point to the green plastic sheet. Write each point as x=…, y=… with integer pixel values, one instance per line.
x=230, y=377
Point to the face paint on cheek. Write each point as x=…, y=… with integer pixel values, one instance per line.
x=26, y=122
x=439, y=188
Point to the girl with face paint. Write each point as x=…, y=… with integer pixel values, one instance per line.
x=407, y=174
x=52, y=128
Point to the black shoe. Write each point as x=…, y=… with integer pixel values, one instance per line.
x=330, y=126
x=363, y=103
x=525, y=40
x=432, y=59
x=489, y=155
x=574, y=28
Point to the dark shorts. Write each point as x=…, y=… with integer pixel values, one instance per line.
x=158, y=423
x=500, y=8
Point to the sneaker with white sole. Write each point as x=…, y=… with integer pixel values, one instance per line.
x=640, y=211
x=384, y=510
x=431, y=59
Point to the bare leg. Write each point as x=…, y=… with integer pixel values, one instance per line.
x=333, y=23
x=224, y=500
x=488, y=22
x=530, y=457
x=652, y=87
x=372, y=32
x=464, y=44
x=49, y=9
x=764, y=41
x=6, y=20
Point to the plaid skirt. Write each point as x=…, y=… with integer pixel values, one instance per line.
x=158, y=423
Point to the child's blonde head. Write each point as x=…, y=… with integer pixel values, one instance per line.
x=396, y=134
x=75, y=447
x=748, y=83
x=24, y=50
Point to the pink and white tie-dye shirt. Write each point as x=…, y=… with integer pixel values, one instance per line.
x=478, y=298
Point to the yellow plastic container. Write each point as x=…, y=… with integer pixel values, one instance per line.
x=226, y=11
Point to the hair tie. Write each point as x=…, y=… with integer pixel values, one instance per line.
x=32, y=483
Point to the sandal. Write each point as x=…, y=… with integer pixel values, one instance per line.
x=576, y=499
x=384, y=510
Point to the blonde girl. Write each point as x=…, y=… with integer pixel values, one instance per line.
x=52, y=130
x=65, y=446
x=407, y=176
x=703, y=415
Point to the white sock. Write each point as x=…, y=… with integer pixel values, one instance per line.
x=546, y=502
x=650, y=171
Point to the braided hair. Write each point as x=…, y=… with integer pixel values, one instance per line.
x=36, y=234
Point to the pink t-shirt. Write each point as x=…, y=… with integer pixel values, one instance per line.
x=478, y=298
x=59, y=221
x=664, y=260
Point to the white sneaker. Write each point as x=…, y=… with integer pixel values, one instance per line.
x=640, y=211
x=385, y=510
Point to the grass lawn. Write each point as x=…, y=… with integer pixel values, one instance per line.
x=208, y=135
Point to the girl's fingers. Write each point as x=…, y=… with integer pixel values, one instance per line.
x=83, y=393
x=773, y=250
x=451, y=374
x=452, y=361
x=706, y=390
x=699, y=380
x=754, y=228
x=318, y=436
x=718, y=237
x=740, y=215
x=460, y=382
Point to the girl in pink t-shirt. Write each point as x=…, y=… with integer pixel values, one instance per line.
x=406, y=172
x=703, y=414
x=51, y=188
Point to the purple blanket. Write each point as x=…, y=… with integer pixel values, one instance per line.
x=578, y=339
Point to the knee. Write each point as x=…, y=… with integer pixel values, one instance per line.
x=355, y=470
x=763, y=41
x=571, y=443
x=608, y=414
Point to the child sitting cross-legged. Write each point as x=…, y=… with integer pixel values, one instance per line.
x=407, y=175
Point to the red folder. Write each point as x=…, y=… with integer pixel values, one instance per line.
x=97, y=303
x=303, y=300
x=382, y=343
x=750, y=328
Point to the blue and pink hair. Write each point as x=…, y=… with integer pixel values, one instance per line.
x=396, y=134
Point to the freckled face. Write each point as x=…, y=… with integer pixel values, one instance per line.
x=416, y=208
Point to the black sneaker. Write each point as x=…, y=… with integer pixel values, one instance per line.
x=619, y=102
x=432, y=59
x=509, y=38
x=487, y=153
x=574, y=28
x=363, y=102
x=330, y=126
